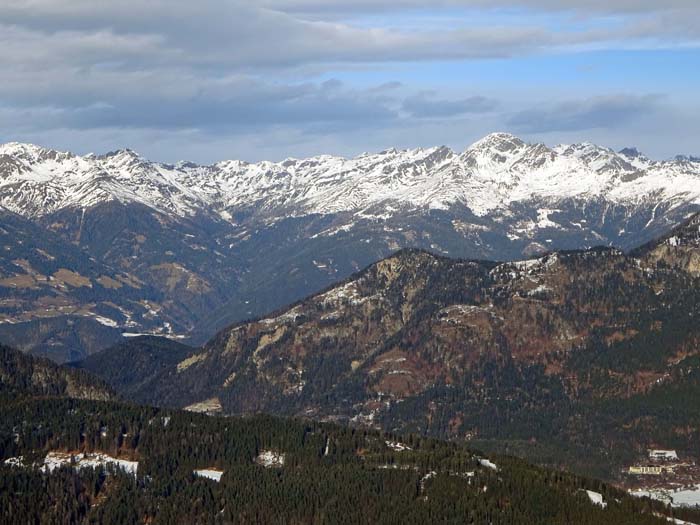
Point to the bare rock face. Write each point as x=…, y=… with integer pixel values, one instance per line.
x=678, y=249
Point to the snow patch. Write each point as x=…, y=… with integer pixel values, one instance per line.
x=208, y=406
x=17, y=462
x=425, y=478
x=541, y=289
x=209, y=473
x=106, y=321
x=398, y=447
x=270, y=459
x=488, y=464
x=54, y=460
x=688, y=496
x=543, y=220
x=596, y=498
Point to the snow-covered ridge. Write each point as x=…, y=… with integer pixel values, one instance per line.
x=490, y=174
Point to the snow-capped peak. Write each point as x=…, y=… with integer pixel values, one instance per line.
x=687, y=158
x=123, y=153
x=31, y=152
x=501, y=142
x=631, y=153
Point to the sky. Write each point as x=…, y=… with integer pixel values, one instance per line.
x=208, y=80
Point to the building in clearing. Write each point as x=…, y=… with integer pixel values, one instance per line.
x=663, y=455
x=648, y=470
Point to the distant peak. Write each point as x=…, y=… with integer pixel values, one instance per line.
x=631, y=153
x=687, y=158
x=13, y=148
x=31, y=152
x=589, y=146
x=588, y=152
x=499, y=141
x=185, y=164
x=440, y=152
x=501, y=136
x=123, y=152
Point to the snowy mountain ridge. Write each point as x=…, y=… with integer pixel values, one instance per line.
x=489, y=175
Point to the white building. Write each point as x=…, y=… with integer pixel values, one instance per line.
x=663, y=455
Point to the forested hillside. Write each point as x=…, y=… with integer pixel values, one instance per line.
x=192, y=468
x=582, y=359
x=132, y=367
x=23, y=375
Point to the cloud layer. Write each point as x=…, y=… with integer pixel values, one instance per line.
x=234, y=69
x=599, y=112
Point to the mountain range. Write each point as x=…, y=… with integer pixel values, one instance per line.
x=580, y=359
x=94, y=247
x=529, y=301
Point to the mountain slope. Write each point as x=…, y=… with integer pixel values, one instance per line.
x=680, y=248
x=222, y=243
x=59, y=300
x=132, y=367
x=27, y=376
x=540, y=351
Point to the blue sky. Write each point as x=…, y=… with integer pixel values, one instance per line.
x=215, y=79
